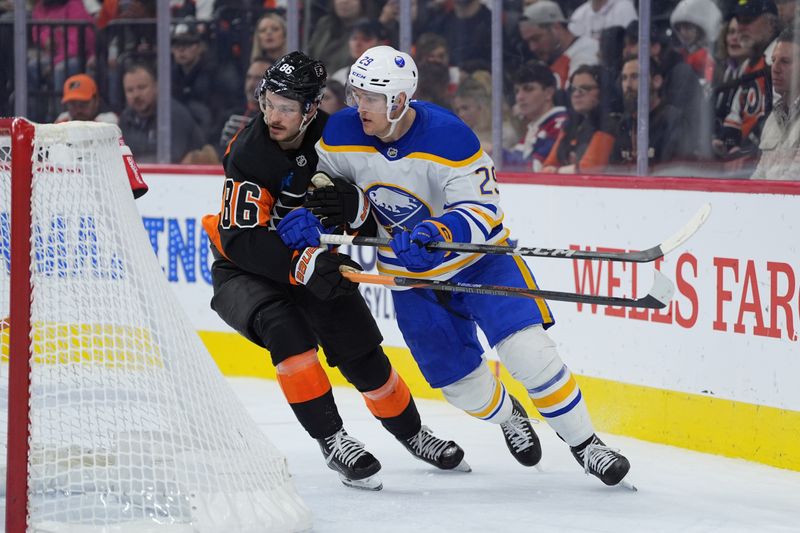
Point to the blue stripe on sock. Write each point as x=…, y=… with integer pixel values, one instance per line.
x=565, y=409
x=549, y=382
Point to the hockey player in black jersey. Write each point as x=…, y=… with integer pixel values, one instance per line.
x=289, y=302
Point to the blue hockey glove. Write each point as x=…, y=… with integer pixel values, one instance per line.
x=410, y=247
x=300, y=229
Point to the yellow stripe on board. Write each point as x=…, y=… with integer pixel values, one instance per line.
x=724, y=427
x=108, y=345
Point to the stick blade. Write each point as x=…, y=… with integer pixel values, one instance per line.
x=686, y=231
x=663, y=289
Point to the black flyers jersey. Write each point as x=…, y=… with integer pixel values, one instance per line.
x=262, y=184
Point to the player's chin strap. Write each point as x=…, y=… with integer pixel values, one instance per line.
x=393, y=121
x=303, y=125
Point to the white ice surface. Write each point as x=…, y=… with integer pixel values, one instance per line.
x=679, y=490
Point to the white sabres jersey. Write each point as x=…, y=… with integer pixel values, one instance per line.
x=437, y=167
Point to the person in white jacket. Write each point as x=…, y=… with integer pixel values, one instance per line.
x=780, y=138
x=592, y=17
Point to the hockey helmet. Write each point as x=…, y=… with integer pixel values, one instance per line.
x=297, y=77
x=384, y=70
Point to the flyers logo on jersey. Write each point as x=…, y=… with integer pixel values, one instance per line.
x=396, y=208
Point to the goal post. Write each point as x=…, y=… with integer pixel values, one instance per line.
x=117, y=418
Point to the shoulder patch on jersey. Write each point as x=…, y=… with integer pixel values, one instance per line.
x=344, y=129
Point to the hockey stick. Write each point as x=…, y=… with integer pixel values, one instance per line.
x=644, y=256
x=659, y=296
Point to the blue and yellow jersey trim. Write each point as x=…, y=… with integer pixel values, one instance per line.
x=346, y=147
x=344, y=133
x=427, y=156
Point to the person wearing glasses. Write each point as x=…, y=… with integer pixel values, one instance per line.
x=587, y=139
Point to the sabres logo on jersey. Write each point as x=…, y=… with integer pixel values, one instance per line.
x=396, y=209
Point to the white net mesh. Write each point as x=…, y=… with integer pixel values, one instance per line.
x=133, y=428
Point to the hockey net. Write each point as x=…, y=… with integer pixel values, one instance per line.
x=131, y=425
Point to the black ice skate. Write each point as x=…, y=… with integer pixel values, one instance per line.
x=520, y=438
x=444, y=454
x=356, y=467
x=603, y=462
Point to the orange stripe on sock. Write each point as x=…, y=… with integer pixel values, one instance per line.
x=390, y=399
x=558, y=396
x=302, y=378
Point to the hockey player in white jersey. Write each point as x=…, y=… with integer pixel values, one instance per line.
x=420, y=173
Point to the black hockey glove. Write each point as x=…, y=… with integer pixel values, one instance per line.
x=339, y=203
x=318, y=270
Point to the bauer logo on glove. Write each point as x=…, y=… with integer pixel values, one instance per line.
x=319, y=271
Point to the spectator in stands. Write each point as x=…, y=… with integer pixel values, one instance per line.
x=612, y=45
x=434, y=84
x=6, y=60
x=667, y=128
x=238, y=117
x=681, y=86
x=696, y=23
x=467, y=30
x=433, y=48
x=544, y=28
x=125, y=42
x=780, y=141
x=53, y=57
x=198, y=9
x=269, y=39
x=732, y=58
x=593, y=16
x=329, y=42
x=364, y=34
x=333, y=98
x=586, y=140
x=741, y=129
x=390, y=19
x=788, y=12
x=83, y=102
x=121, y=9
x=758, y=27
x=205, y=88
x=534, y=93
x=138, y=121
x=472, y=103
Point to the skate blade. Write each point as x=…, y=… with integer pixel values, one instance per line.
x=372, y=482
x=463, y=466
x=628, y=485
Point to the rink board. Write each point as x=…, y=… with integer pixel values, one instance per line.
x=715, y=372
